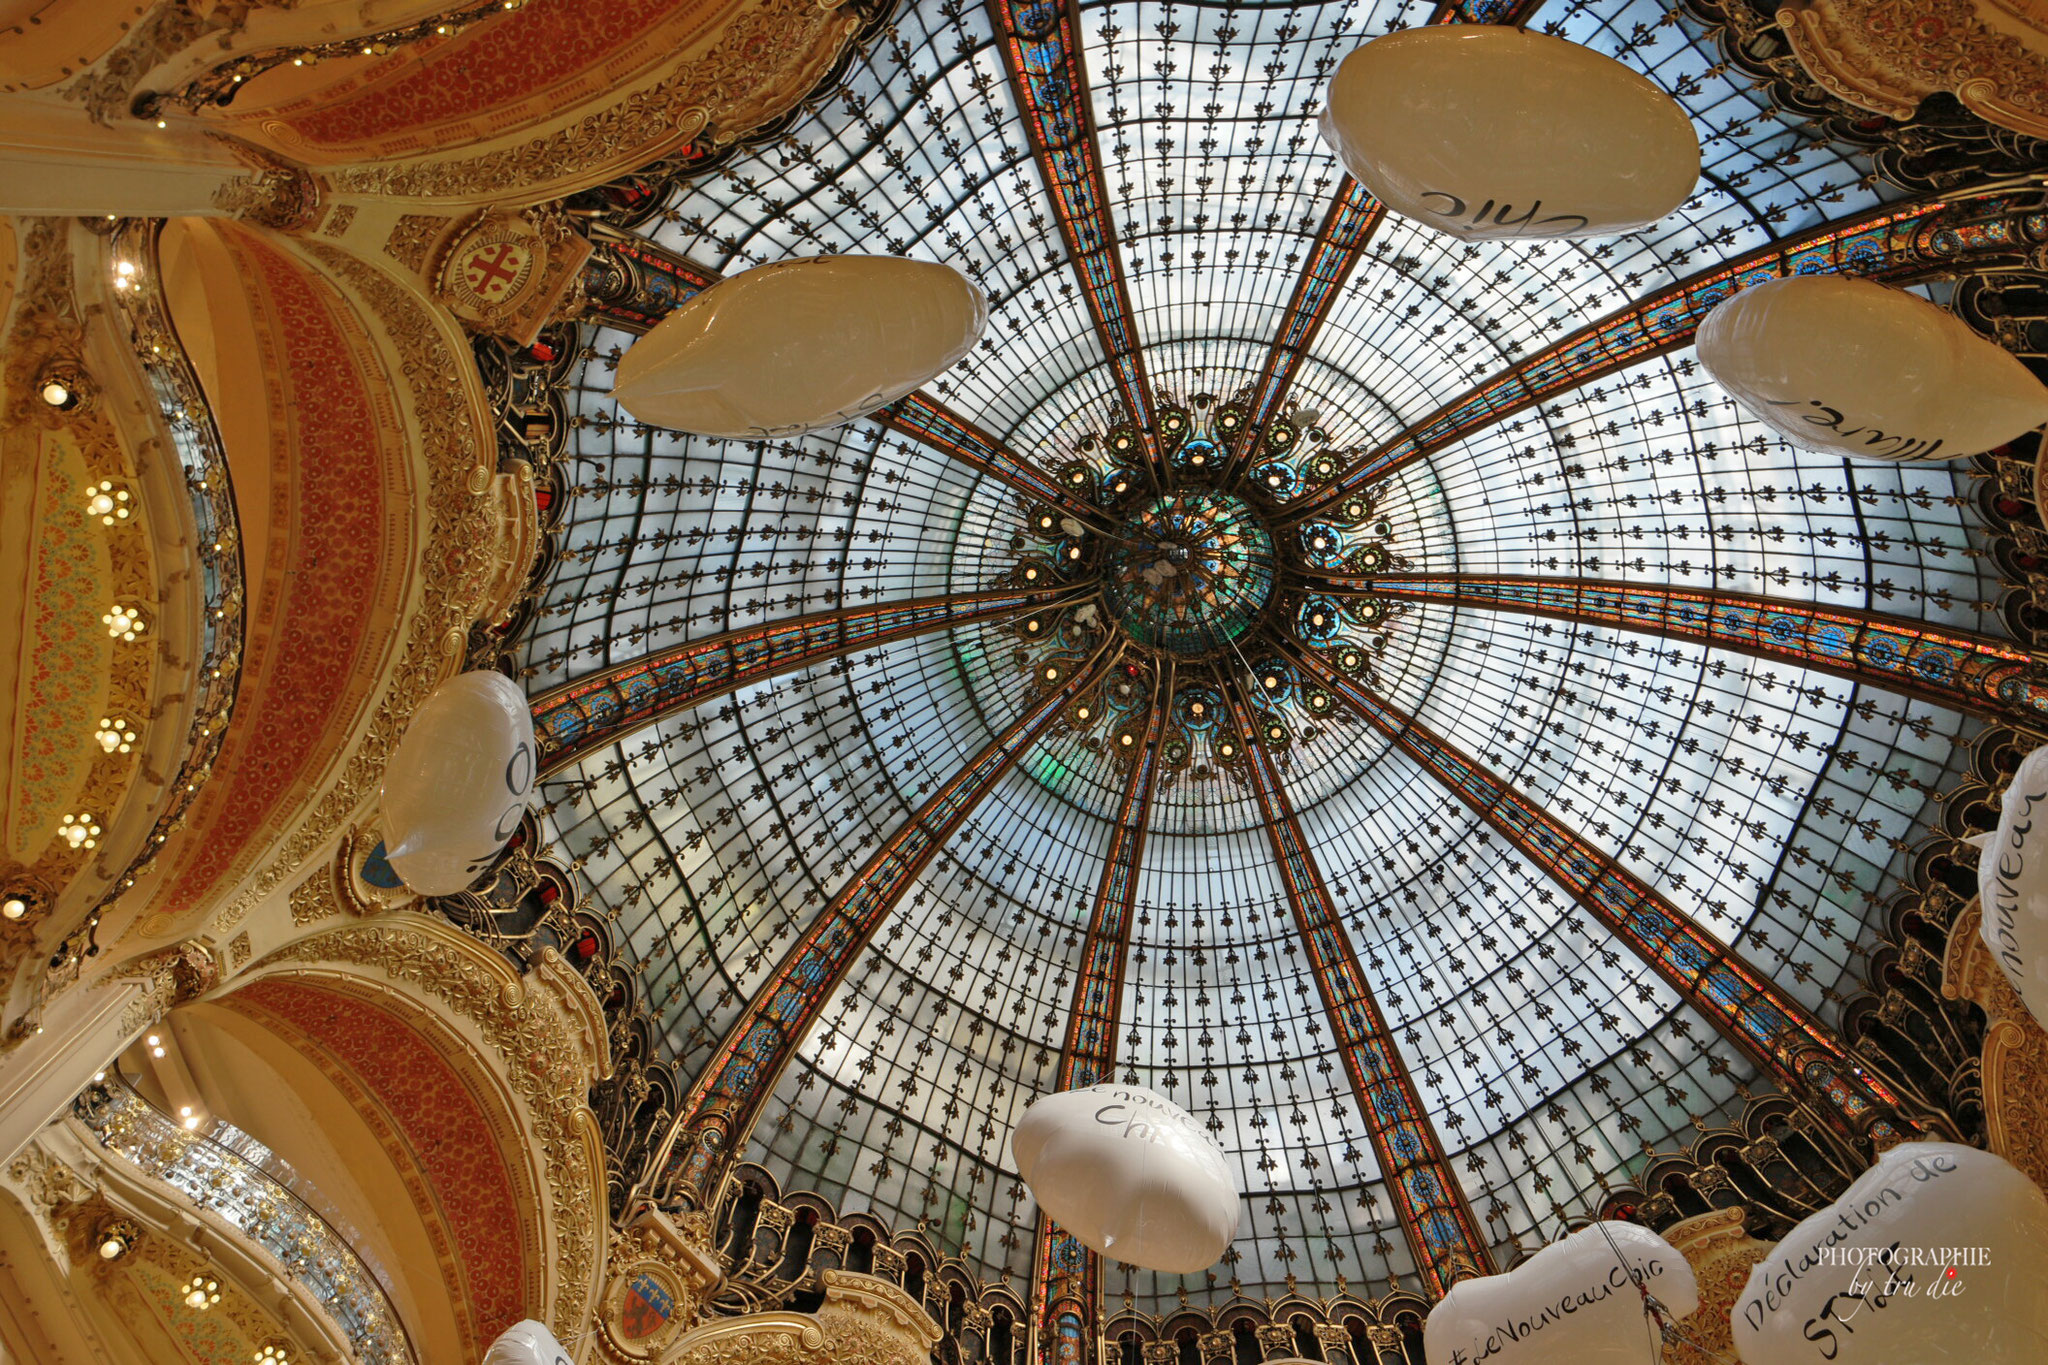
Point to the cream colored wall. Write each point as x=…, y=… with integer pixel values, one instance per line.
x=43, y=1321
x=43, y=42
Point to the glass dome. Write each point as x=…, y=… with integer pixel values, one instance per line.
x=1438, y=487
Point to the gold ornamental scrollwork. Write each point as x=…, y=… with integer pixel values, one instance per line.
x=536, y=1053
x=660, y=1272
x=2015, y=1056
x=1889, y=55
x=769, y=58
x=458, y=557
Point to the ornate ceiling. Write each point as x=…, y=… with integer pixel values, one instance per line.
x=1547, y=872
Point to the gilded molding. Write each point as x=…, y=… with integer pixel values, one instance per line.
x=107, y=90
x=1889, y=55
x=48, y=332
x=769, y=58
x=2015, y=1058
x=412, y=239
x=1720, y=1251
x=282, y=198
x=542, y=1052
x=864, y=1320
x=458, y=556
x=674, y=1256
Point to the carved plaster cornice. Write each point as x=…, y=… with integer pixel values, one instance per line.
x=461, y=566
x=1889, y=55
x=541, y=1029
x=769, y=57
x=2015, y=1057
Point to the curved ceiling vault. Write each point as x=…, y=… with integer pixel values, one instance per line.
x=1355, y=913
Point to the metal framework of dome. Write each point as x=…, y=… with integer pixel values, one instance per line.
x=1370, y=688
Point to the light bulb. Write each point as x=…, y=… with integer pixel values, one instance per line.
x=55, y=394
x=14, y=907
x=123, y=623
x=114, y=735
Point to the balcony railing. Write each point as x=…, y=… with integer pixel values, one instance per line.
x=243, y=1194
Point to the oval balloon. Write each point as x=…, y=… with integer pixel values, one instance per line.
x=527, y=1343
x=1129, y=1174
x=2012, y=884
x=458, y=782
x=1866, y=1281
x=1578, y=1301
x=1852, y=367
x=800, y=346
x=1493, y=132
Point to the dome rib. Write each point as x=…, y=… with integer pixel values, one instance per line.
x=1067, y=1276
x=1340, y=242
x=1051, y=86
x=917, y=415
x=1888, y=243
x=727, y=1098
x=1964, y=672
x=1786, y=1042
x=1428, y=1199
x=579, y=718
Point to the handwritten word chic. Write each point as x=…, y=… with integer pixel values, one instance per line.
x=1885, y=445
x=1556, y=225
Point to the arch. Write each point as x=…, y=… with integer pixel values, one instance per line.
x=429, y=1057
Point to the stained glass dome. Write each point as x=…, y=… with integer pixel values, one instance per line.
x=1481, y=783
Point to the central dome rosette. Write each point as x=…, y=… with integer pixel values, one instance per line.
x=1189, y=573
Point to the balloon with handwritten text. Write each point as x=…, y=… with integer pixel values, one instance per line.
x=2012, y=884
x=800, y=345
x=527, y=1342
x=1851, y=367
x=1585, y=1300
x=1936, y=1255
x=1483, y=131
x=1130, y=1174
x=458, y=782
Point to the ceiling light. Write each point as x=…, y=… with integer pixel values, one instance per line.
x=115, y=1238
x=199, y=1294
x=114, y=735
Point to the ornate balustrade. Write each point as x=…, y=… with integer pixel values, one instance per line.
x=259, y=1205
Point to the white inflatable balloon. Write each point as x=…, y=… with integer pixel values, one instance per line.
x=527, y=1343
x=1851, y=367
x=800, y=345
x=1576, y=1302
x=2012, y=884
x=1130, y=1174
x=1481, y=132
x=1866, y=1281
x=458, y=782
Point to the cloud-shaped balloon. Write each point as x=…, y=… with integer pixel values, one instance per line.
x=1580, y=1301
x=1852, y=367
x=458, y=782
x=527, y=1342
x=1938, y=1253
x=1130, y=1174
x=800, y=346
x=1482, y=132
